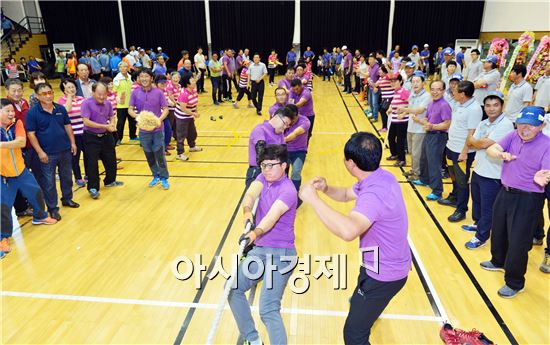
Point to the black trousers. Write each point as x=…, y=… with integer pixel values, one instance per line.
x=258, y=94
x=397, y=138
x=122, y=114
x=185, y=129
x=226, y=86
x=515, y=218
x=79, y=141
x=272, y=74
x=347, y=82
x=244, y=91
x=369, y=300
x=99, y=148
x=357, y=84
x=200, y=82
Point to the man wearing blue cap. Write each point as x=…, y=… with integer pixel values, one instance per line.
x=451, y=90
x=410, y=67
x=525, y=153
x=520, y=93
x=448, y=55
x=465, y=119
x=488, y=80
x=486, y=182
x=415, y=56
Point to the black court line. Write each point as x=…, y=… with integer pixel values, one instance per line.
x=459, y=258
x=224, y=136
x=185, y=162
x=205, y=279
x=423, y=281
x=188, y=176
x=204, y=145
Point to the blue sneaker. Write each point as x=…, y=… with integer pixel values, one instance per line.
x=165, y=184
x=94, y=193
x=2, y=255
x=433, y=197
x=418, y=183
x=134, y=139
x=80, y=183
x=470, y=228
x=154, y=181
x=115, y=184
x=474, y=243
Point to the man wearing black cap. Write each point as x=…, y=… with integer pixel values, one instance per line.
x=525, y=153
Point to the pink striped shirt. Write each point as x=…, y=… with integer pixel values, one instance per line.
x=190, y=99
x=174, y=90
x=74, y=115
x=385, y=87
x=111, y=97
x=400, y=100
x=243, y=80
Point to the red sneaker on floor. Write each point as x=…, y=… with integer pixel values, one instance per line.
x=473, y=337
x=170, y=147
x=448, y=335
x=5, y=245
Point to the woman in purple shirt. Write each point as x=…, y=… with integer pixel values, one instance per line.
x=273, y=238
x=379, y=220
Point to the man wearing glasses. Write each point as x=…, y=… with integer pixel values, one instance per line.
x=51, y=135
x=273, y=238
x=267, y=133
x=436, y=124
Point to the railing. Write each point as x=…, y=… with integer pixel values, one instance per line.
x=34, y=25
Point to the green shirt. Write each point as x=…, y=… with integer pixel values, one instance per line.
x=123, y=87
x=217, y=65
x=60, y=63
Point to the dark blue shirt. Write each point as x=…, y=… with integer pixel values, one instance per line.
x=49, y=128
x=339, y=58
x=459, y=58
x=33, y=64
x=308, y=54
x=115, y=60
x=291, y=56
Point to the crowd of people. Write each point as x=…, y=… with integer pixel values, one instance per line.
x=448, y=121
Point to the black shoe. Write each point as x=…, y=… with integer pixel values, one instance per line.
x=55, y=215
x=391, y=158
x=259, y=113
x=447, y=202
x=71, y=204
x=457, y=216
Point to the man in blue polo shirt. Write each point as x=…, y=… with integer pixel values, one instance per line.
x=51, y=135
x=291, y=58
x=309, y=55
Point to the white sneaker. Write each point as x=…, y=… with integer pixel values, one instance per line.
x=235, y=105
x=182, y=157
x=195, y=149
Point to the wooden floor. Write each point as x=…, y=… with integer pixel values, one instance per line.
x=104, y=273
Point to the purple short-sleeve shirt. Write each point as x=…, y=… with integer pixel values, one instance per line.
x=379, y=199
x=282, y=233
x=438, y=111
x=96, y=112
x=152, y=100
x=307, y=108
x=300, y=143
x=266, y=132
x=531, y=156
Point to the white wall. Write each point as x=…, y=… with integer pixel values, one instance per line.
x=509, y=15
x=14, y=9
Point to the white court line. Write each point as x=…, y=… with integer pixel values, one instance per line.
x=442, y=311
x=322, y=133
x=157, y=303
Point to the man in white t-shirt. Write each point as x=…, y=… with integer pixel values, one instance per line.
x=520, y=93
x=474, y=68
x=542, y=90
x=487, y=80
x=200, y=64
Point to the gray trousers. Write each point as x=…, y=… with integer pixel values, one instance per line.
x=414, y=143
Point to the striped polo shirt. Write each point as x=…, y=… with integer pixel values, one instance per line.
x=243, y=80
x=385, y=87
x=111, y=97
x=74, y=115
x=400, y=99
x=174, y=90
x=190, y=99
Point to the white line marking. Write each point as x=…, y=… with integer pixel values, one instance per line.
x=157, y=303
x=444, y=315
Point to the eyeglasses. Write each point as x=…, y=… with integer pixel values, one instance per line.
x=46, y=93
x=268, y=166
x=285, y=124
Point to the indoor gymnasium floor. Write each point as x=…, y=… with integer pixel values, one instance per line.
x=104, y=274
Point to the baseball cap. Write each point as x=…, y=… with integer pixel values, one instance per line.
x=531, y=115
x=448, y=51
x=410, y=64
x=426, y=45
x=159, y=48
x=491, y=58
x=104, y=50
x=456, y=76
x=494, y=94
x=414, y=47
x=344, y=47
x=419, y=74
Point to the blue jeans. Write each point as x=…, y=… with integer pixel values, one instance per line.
x=26, y=184
x=460, y=179
x=297, y=160
x=167, y=131
x=373, y=101
x=430, y=160
x=270, y=298
x=153, y=147
x=484, y=193
x=63, y=161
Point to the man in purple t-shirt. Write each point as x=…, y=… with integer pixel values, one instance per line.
x=99, y=123
x=347, y=67
x=149, y=98
x=266, y=133
x=289, y=77
x=525, y=153
x=301, y=97
x=436, y=124
x=274, y=247
x=379, y=220
x=297, y=143
x=227, y=74
x=373, y=96
x=281, y=97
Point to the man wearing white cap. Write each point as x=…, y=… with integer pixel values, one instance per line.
x=159, y=52
x=425, y=58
